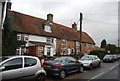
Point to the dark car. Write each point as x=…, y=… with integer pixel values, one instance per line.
x=61, y=66
x=109, y=58
x=116, y=57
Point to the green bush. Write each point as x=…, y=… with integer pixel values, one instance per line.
x=99, y=53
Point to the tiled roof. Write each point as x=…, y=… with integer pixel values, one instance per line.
x=28, y=24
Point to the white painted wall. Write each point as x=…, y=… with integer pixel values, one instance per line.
x=54, y=46
x=43, y=39
x=37, y=38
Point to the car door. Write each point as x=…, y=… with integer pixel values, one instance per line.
x=97, y=61
x=72, y=64
x=93, y=61
x=12, y=68
x=30, y=67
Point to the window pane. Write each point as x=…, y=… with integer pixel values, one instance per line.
x=30, y=62
x=48, y=50
x=13, y=64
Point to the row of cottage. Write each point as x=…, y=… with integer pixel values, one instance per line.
x=45, y=37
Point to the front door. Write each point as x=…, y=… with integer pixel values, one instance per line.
x=31, y=50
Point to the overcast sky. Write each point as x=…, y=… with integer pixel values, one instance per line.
x=100, y=17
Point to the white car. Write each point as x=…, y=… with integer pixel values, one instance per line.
x=21, y=67
x=90, y=61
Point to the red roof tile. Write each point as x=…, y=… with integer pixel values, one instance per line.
x=32, y=25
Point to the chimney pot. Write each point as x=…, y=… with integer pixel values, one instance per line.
x=74, y=26
x=50, y=17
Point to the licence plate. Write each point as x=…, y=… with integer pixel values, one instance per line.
x=47, y=66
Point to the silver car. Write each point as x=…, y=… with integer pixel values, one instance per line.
x=21, y=67
x=90, y=61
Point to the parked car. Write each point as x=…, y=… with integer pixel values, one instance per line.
x=116, y=57
x=90, y=61
x=109, y=58
x=21, y=67
x=61, y=66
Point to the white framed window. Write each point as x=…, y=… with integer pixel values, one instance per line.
x=17, y=51
x=77, y=51
x=22, y=51
x=47, y=28
x=86, y=44
x=49, y=40
x=77, y=43
x=18, y=36
x=63, y=51
x=40, y=51
x=63, y=42
x=48, y=50
x=25, y=37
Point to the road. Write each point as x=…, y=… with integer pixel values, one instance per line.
x=107, y=71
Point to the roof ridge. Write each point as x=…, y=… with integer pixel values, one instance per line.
x=36, y=25
x=26, y=14
x=63, y=26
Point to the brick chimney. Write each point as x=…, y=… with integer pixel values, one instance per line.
x=50, y=17
x=74, y=26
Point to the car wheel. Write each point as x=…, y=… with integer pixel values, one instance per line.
x=90, y=67
x=62, y=74
x=99, y=64
x=113, y=61
x=81, y=69
x=40, y=77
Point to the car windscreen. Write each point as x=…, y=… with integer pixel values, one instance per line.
x=108, y=56
x=3, y=58
x=86, y=58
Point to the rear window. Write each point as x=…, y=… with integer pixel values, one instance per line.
x=30, y=62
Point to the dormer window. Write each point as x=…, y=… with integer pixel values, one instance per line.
x=47, y=28
x=63, y=42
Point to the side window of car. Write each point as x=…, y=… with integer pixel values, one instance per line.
x=30, y=62
x=15, y=63
x=71, y=60
x=93, y=58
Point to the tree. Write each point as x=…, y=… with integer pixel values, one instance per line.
x=112, y=48
x=99, y=53
x=9, y=37
x=103, y=43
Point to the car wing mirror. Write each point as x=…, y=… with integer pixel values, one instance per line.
x=1, y=68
